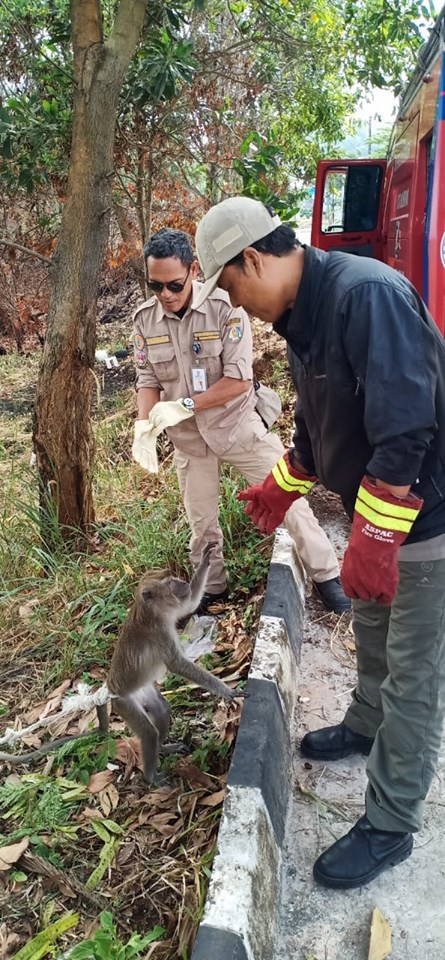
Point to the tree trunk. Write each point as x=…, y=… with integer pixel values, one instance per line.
x=63, y=437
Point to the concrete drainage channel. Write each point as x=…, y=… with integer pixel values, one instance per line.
x=240, y=916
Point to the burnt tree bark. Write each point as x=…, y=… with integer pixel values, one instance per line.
x=63, y=437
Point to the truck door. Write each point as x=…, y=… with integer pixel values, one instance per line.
x=348, y=210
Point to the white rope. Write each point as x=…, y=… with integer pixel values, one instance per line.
x=82, y=701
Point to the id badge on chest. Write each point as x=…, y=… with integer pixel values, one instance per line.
x=199, y=378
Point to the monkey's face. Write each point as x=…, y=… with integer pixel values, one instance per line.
x=166, y=593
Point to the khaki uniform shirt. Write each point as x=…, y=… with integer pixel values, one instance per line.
x=215, y=338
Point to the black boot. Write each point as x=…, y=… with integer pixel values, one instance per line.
x=334, y=743
x=209, y=599
x=361, y=855
x=332, y=595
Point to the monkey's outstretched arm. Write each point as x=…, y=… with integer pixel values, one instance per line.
x=196, y=674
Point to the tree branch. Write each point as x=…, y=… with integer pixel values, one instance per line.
x=126, y=31
x=30, y=253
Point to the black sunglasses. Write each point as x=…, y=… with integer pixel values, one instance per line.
x=175, y=286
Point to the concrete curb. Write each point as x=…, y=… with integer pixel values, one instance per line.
x=239, y=921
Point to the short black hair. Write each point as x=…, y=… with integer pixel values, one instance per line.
x=279, y=243
x=170, y=243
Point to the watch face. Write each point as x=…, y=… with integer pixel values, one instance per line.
x=188, y=402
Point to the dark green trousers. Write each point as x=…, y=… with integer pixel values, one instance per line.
x=400, y=693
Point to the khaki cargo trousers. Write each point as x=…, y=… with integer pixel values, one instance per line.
x=199, y=480
x=400, y=693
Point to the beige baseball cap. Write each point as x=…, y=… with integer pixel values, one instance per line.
x=226, y=230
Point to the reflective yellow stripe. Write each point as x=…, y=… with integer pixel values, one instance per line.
x=387, y=509
x=388, y=523
x=387, y=516
x=287, y=482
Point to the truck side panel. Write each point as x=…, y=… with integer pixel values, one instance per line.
x=435, y=221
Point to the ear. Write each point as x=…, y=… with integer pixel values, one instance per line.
x=252, y=261
x=194, y=269
x=147, y=595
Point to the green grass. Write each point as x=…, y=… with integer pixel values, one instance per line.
x=61, y=613
x=75, y=601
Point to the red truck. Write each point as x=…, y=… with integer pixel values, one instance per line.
x=394, y=209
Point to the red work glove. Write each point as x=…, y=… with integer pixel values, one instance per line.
x=380, y=525
x=269, y=501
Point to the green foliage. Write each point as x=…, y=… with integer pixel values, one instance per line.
x=159, y=68
x=34, y=138
x=301, y=61
x=259, y=164
x=247, y=553
x=38, y=802
x=87, y=756
x=106, y=945
x=385, y=38
x=210, y=747
x=43, y=943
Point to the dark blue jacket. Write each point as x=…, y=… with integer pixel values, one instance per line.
x=368, y=364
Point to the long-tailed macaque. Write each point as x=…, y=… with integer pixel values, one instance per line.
x=148, y=645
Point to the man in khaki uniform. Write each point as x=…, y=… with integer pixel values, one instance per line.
x=195, y=379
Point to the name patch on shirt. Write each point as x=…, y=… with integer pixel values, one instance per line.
x=207, y=335
x=151, y=341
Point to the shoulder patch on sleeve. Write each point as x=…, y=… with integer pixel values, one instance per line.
x=139, y=341
x=235, y=330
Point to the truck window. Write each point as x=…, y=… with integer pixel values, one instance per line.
x=333, y=200
x=351, y=198
x=362, y=198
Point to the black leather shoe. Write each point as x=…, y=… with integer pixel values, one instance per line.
x=209, y=599
x=332, y=595
x=361, y=855
x=334, y=743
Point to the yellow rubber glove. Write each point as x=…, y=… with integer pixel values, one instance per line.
x=167, y=413
x=144, y=446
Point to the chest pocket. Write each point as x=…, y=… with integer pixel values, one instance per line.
x=210, y=358
x=164, y=362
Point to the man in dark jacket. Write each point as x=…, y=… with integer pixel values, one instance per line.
x=368, y=364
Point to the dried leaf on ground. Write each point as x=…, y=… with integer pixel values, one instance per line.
x=190, y=772
x=9, y=855
x=128, y=751
x=9, y=942
x=226, y=721
x=380, y=942
x=109, y=798
x=99, y=781
x=214, y=800
x=27, y=608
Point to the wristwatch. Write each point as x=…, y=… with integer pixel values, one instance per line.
x=188, y=403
